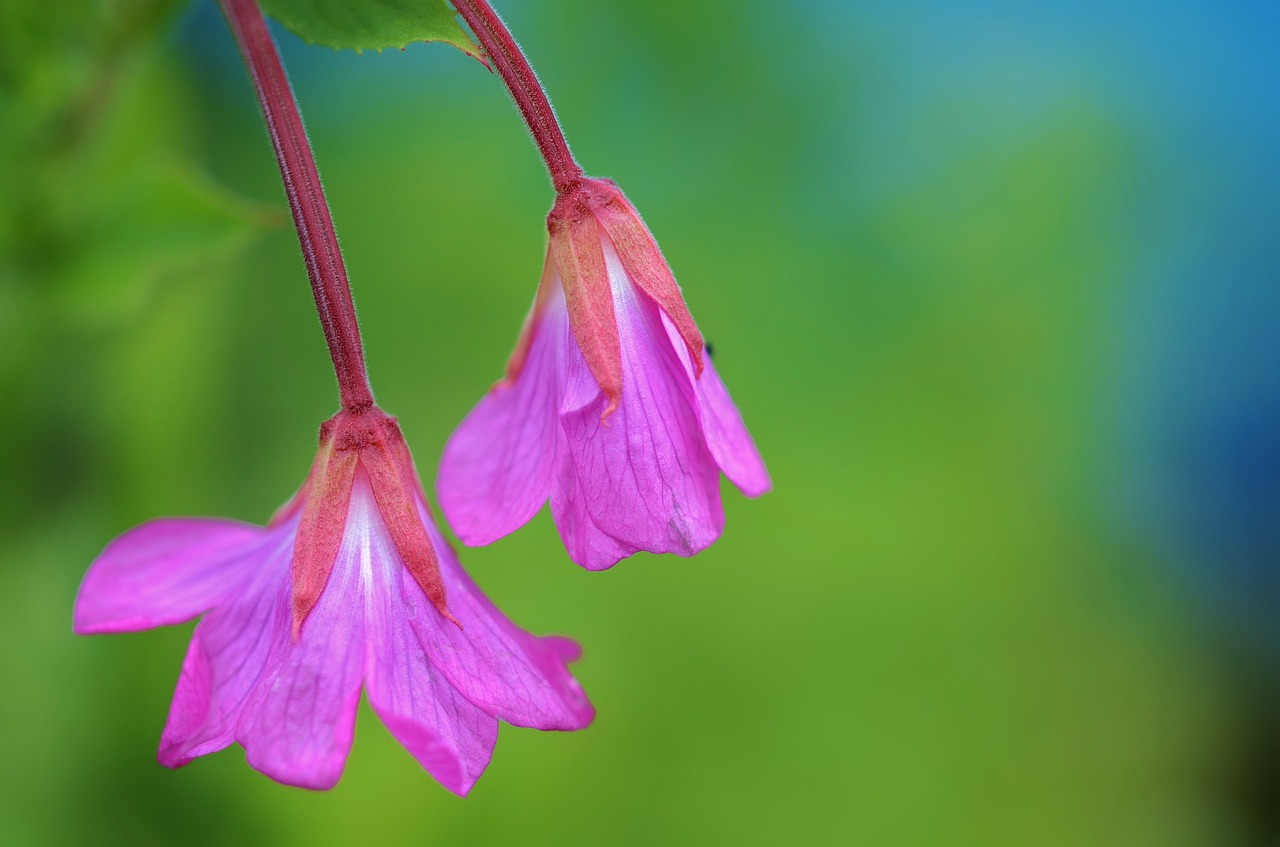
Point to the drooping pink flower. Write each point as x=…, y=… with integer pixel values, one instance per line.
x=342, y=590
x=610, y=405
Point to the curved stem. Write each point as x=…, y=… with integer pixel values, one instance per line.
x=306, y=200
x=525, y=89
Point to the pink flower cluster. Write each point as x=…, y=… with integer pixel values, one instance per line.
x=611, y=408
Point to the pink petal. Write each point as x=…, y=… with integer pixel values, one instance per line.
x=165, y=572
x=227, y=655
x=645, y=479
x=586, y=544
x=448, y=735
x=299, y=720
x=511, y=674
x=726, y=434
x=499, y=464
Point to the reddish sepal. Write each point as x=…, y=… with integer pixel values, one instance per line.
x=324, y=518
x=391, y=474
x=549, y=279
x=644, y=263
x=370, y=440
x=575, y=245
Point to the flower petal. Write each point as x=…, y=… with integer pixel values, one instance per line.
x=299, y=721
x=645, y=479
x=726, y=434
x=499, y=464
x=165, y=572
x=227, y=655
x=448, y=735
x=586, y=544
x=510, y=673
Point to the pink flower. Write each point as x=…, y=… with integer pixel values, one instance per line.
x=343, y=589
x=609, y=405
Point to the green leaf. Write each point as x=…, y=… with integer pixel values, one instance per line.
x=372, y=24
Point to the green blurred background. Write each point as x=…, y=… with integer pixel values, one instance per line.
x=956, y=265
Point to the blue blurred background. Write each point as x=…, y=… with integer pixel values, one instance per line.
x=994, y=285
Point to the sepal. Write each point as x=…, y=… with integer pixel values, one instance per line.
x=644, y=263
x=324, y=516
x=579, y=257
x=368, y=440
x=392, y=477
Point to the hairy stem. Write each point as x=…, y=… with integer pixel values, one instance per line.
x=306, y=200
x=525, y=89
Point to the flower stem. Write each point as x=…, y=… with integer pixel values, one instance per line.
x=525, y=89
x=306, y=200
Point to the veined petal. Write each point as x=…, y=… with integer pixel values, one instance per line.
x=511, y=674
x=726, y=434
x=227, y=655
x=498, y=466
x=645, y=479
x=586, y=544
x=447, y=734
x=299, y=720
x=165, y=572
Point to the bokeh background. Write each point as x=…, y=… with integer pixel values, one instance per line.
x=994, y=285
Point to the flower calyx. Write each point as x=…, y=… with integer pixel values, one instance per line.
x=368, y=441
x=586, y=213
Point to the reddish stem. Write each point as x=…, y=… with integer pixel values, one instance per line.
x=306, y=200
x=525, y=89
